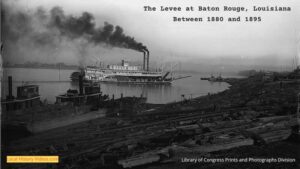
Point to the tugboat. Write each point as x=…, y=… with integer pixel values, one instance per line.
x=88, y=94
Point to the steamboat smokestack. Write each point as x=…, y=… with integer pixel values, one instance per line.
x=148, y=60
x=10, y=96
x=80, y=85
x=144, y=61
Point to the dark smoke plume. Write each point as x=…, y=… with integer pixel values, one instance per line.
x=84, y=26
x=44, y=33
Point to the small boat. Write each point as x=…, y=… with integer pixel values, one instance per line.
x=212, y=78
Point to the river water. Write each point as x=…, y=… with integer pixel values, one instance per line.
x=53, y=82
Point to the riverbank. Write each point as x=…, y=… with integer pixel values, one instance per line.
x=58, y=66
x=250, y=114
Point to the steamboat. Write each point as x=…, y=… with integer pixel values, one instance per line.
x=125, y=73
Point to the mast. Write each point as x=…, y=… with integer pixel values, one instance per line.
x=59, y=71
x=297, y=56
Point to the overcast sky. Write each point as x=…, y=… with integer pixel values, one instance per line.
x=274, y=39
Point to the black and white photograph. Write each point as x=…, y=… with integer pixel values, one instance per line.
x=150, y=84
